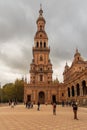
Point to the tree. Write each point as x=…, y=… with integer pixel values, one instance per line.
x=13, y=91
x=8, y=92
x=19, y=90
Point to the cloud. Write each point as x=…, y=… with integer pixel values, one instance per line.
x=15, y=21
x=66, y=26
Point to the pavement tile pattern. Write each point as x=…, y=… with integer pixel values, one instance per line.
x=21, y=118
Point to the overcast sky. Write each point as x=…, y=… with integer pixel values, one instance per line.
x=66, y=27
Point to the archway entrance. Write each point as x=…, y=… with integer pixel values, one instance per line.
x=41, y=97
x=53, y=98
x=84, y=87
x=68, y=92
x=28, y=98
x=73, y=93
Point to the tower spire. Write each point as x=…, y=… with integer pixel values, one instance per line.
x=40, y=11
x=40, y=6
x=76, y=50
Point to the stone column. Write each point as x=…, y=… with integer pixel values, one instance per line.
x=32, y=96
x=75, y=88
x=81, y=90
x=36, y=96
x=70, y=92
x=46, y=96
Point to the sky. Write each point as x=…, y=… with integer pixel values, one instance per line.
x=66, y=27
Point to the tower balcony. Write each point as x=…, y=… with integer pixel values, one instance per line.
x=39, y=71
x=41, y=49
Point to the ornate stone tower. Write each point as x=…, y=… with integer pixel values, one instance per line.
x=41, y=87
x=41, y=67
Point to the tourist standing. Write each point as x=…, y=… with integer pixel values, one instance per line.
x=75, y=108
x=54, y=108
x=38, y=104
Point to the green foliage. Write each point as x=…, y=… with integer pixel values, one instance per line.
x=13, y=91
x=8, y=92
x=19, y=90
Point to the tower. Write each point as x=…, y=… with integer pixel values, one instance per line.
x=41, y=88
x=41, y=67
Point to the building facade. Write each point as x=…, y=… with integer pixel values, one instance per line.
x=42, y=88
x=75, y=79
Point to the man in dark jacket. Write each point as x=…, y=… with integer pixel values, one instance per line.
x=38, y=106
x=75, y=108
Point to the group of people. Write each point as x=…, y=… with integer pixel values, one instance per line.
x=29, y=104
x=66, y=103
x=74, y=106
x=12, y=103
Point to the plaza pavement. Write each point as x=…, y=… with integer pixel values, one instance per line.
x=20, y=118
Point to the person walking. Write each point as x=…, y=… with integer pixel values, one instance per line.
x=54, y=108
x=38, y=106
x=12, y=104
x=75, y=108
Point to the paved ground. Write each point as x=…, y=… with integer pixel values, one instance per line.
x=20, y=118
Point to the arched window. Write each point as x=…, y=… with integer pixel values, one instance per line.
x=44, y=44
x=62, y=94
x=41, y=77
x=41, y=69
x=40, y=27
x=84, y=87
x=41, y=58
x=37, y=44
x=40, y=35
x=78, y=90
x=68, y=92
x=41, y=44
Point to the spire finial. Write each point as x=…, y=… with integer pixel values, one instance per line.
x=40, y=6
x=40, y=11
x=66, y=62
x=76, y=50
